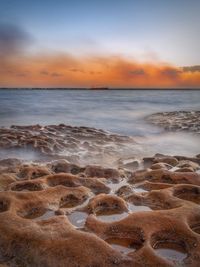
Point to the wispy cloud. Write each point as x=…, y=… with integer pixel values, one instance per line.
x=62, y=70
x=56, y=74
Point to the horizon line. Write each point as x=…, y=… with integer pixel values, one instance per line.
x=98, y=89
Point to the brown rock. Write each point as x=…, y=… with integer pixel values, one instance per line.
x=106, y=204
x=64, y=166
x=36, y=225
x=32, y=172
x=97, y=171
x=5, y=180
x=188, y=164
x=161, y=165
x=10, y=162
x=185, y=169
x=169, y=160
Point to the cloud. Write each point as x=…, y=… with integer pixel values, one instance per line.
x=95, y=72
x=171, y=72
x=67, y=70
x=22, y=74
x=195, y=68
x=55, y=74
x=44, y=72
x=137, y=72
x=76, y=70
x=12, y=39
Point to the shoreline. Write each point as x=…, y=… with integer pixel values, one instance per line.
x=66, y=214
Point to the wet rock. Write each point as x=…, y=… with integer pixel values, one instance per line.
x=148, y=161
x=165, y=176
x=169, y=160
x=65, y=166
x=161, y=165
x=138, y=176
x=35, y=226
x=188, y=192
x=69, y=180
x=32, y=172
x=131, y=165
x=193, y=159
x=185, y=169
x=5, y=181
x=188, y=164
x=124, y=191
x=10, y=162
x=105, y=204
x=177, y=120
x=97, y=171
x=66, y=142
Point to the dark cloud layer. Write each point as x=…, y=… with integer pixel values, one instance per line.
x=137, y=72
x=12, y=39
x=171, y=72
x=195, y=68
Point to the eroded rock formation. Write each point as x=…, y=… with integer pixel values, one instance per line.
x=177, y=120
x=57, y=213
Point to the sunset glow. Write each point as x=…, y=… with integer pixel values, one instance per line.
x=113, y=71
x=108, y=44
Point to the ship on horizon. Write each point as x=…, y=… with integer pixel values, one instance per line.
x=99, y=88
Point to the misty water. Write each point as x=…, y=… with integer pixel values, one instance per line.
x=117, y=111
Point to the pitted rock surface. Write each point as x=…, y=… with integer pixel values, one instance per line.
x=177, y=120
x=57, y=213
x=76, y=144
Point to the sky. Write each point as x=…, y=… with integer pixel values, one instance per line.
x=121, y=43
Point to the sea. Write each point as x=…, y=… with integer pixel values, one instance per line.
x=119, y=111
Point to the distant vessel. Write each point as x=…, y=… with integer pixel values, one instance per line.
x=99, y=88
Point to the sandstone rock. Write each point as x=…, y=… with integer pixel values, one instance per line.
x=131, y=165
x=32, y=172
x=5, y=180
x=188, y=164
x=65, y=166
x=165, y=176
x=148, y=161
x=10, y=162
x=36, y=228
x=169, y=160
x=124, y=191
x=97, y=171
x=161, y=165
x=106, y=204
x=193, y=159
x=185, y=169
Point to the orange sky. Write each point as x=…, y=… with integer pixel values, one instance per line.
x=65, y=70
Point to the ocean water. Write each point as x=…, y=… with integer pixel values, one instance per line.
x=118, y=111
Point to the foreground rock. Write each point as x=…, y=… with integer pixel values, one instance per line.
x=51, y=217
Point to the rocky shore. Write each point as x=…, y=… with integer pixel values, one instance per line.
x=177, y=120
x=76, y=144
x=56, y=212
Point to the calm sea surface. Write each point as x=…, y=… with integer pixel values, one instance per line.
x=119, y=111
